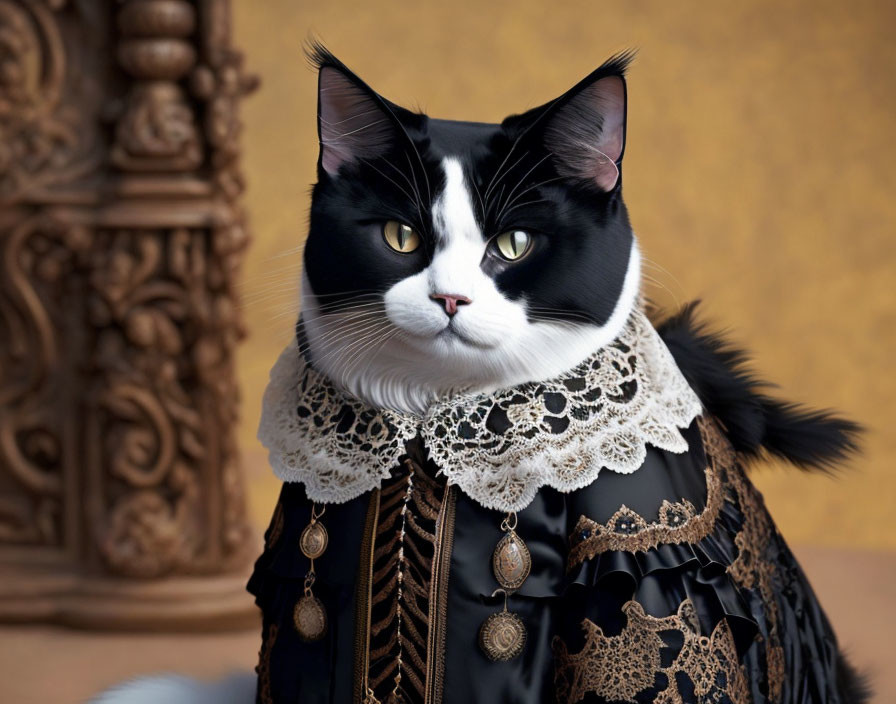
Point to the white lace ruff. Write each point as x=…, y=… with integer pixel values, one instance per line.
x=498, y=448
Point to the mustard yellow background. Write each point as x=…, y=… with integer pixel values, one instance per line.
x=758, y=172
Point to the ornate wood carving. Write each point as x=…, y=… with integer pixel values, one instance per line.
x=121, y=236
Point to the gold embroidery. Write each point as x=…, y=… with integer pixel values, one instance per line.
x=751, y=569
x=263, y=669
x=628, y=531
x=404, y=555
x=618, y=668
x=679, y=522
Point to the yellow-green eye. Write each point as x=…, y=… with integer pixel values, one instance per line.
x=400, y=237
x=514, y=245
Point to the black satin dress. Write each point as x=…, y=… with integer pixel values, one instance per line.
x=667, y=585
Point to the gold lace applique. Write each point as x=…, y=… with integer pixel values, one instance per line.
x=618, y=668
x=751, y=569
x=627, y=530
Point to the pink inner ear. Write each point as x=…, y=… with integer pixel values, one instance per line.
x=352, y=124
x=608, y=95
x=587, y=134
x=609, y=99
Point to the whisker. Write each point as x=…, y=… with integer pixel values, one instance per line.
x=330, y=348
x=334, y=140
x=358, y=355
x=334, y=346
x=504, y=213
x=393, y=181
x=371, y=291
x=519, y=183
x=533, y=187
x=495, y=179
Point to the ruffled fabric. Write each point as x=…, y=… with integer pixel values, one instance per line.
x=498, y=448
x=661, y=578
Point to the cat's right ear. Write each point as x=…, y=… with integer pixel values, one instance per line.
x=353, y=121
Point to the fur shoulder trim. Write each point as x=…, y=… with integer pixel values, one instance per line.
x=754, y=421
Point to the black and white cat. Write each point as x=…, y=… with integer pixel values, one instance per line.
x=453, y=258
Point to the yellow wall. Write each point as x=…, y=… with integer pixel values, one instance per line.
x=758, y=174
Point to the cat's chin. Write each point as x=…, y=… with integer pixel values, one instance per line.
x=451, y=351
x=453, y=339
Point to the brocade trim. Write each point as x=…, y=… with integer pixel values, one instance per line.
x=628, y=531
x=618, y=668
x=677, y=522
x=401, y=601
x=752, y=569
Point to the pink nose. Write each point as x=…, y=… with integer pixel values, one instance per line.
x=451, y=301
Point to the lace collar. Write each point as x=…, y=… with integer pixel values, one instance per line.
x=498, y=448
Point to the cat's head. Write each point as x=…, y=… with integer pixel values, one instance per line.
x=447, y=256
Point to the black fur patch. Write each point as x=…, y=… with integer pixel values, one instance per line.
x=718, y=373
x=853, y=688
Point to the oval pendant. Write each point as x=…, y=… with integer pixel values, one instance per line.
x=511, y=561
x=310, y=618
x=502, y=636
x=313, y=541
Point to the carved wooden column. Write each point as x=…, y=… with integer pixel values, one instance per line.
x=121, y=236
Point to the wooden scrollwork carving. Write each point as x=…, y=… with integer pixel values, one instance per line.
x=121, y=237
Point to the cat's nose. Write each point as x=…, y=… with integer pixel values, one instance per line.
x=451, y=301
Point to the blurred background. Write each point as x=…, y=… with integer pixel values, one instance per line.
x=759, y=177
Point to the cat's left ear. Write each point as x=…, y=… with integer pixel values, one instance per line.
x=584, y=129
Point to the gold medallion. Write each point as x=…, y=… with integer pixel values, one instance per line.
x=314, y=539
x=511, y=561
x=502, y=636
x=310, y=618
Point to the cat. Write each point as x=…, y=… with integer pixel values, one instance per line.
x=447, y=258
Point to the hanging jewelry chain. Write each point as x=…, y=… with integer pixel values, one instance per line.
x=309, y=579
x=309, y=615
x=502, y=635
x=509, y=522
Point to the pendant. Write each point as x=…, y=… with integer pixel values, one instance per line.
x=310, y=618
x=502, y=636
x=511, y=561
x=314, y=539
x=309, y=614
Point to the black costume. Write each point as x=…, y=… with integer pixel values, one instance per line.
x=663, y=580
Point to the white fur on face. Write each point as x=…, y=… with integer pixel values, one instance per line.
x=412, y=353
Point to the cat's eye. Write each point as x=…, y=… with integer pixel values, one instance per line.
x=513, y=245
x=400, y=237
